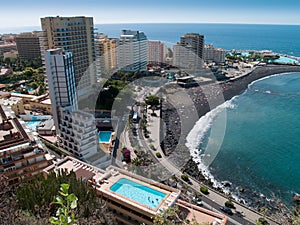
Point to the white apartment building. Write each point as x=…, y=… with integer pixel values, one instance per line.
x=185, y=58
x=188, y=54
x=132, y=53
x=214, y=54
x=76, y=130
x=78, y=133
x=156, y=52
x=61, y=82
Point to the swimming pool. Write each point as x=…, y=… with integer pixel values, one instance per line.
x=104, y=136
x=35, y=118
x=287, y=60
x=32, y=124
x=137, y=192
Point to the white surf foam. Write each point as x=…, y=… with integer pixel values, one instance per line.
x=196, y=136
x=267, y=77
x=202, y=126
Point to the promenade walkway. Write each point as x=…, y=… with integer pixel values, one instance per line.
x=250, y=216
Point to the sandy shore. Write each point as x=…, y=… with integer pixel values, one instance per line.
x=226, y=90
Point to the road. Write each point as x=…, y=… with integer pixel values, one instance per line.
x=214, y=200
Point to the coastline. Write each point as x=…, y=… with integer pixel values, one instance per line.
x=230, y=89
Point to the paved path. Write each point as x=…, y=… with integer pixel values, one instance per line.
x=213, y=200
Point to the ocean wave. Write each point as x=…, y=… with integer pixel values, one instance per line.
x=267, y=77
x=280, y=93
x=196, y=137
x=202, y=126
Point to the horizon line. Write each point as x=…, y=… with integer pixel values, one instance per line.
x=196, y=22
x=186, y=22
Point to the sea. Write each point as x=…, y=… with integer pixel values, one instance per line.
x=260, y=149
x=278, y=38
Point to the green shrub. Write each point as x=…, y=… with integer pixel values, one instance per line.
x=158, y=155
x=68, y=203
x=41, y=191
x=229, y=204
x=184, y=177
x=198, y=196
x=204, y=190
x=262, y=221
x=152, y=146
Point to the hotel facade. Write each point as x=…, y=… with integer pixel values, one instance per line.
x=106, y=55
x=76, y=35
x=189, y=53
x=132, y=51
x=156, y=52
x=76, y=129
x=211, y=53
x=28, y=45
x=21, y=158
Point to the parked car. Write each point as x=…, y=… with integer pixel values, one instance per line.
x=226, y=210
x=240, y=214
x=199, y=203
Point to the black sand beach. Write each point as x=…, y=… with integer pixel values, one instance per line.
x=227, y=90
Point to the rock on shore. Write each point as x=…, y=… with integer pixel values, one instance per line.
x=172, y=128
x=229, y=90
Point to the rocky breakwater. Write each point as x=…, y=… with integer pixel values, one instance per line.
x=171, y=128
x=177, y=130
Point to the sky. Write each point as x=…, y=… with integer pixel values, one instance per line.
x=20, y=13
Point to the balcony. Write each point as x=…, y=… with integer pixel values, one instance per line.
x=10, y=168
x=6, y=160
x=27, y=170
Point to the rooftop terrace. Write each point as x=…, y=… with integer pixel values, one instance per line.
x=11, y=131
x=105, y=181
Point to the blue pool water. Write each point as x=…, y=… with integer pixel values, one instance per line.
x=283, y=59
x=32, y=124
x=137, y=192
x=104, y=136
x=34, y=118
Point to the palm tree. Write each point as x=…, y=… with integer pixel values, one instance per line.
x=264, y=211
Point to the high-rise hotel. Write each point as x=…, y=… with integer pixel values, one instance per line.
x=61, y=77
x=132, y=51
x=106, y=52
x=28, y=45
x=156, y=52
x=189, y=53
x=76, y=130
x=76, y=35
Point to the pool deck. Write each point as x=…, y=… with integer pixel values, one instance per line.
x=102, y=180
x=106, y=146
x=115, y=175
